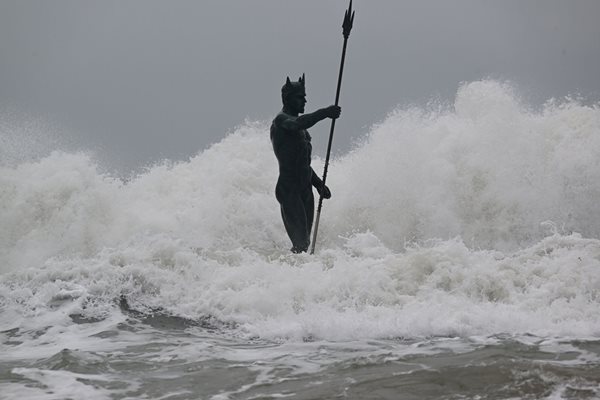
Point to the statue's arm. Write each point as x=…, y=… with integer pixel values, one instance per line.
x=318, y=184
x=315, y=180
x=308, y=120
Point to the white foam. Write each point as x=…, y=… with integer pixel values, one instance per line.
x=57, y=385
x=438, y=226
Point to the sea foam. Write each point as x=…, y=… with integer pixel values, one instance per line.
x=476, y=218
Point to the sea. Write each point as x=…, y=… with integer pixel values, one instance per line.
x=459, y=258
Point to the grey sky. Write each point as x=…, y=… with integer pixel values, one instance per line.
x=140, y=80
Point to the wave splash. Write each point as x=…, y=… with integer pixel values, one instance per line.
x=468, y=211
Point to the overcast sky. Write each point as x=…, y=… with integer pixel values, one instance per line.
x=141, y=80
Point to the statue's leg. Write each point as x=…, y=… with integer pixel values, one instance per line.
x=295, y=221
x=309, y=207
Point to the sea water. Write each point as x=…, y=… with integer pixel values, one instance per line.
x=459, y=258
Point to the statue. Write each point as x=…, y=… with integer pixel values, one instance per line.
x=292, y=147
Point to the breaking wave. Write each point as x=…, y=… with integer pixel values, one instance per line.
x=484, y=212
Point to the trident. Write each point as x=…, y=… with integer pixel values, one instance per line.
x=346, y=28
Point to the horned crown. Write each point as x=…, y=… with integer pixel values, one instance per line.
x=291, y=88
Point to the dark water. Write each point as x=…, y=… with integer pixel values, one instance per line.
x=169, y=358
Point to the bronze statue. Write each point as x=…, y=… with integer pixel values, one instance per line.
x=292, y=147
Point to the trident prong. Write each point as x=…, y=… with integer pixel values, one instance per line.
x=348, y=21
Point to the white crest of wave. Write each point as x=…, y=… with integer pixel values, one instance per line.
x=488, y=169
x=470, y=188
x=62, y=205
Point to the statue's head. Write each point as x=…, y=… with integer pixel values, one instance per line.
x=294, y=92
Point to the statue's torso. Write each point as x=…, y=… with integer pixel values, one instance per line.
x=293, y=151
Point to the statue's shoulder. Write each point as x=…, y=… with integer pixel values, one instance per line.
x=281, y=118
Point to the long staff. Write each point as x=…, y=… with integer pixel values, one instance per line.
x=346, y=27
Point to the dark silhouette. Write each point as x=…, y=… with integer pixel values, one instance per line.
x=291, y=143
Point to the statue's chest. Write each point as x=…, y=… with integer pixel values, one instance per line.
x=303, y=138
x=304, y=141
